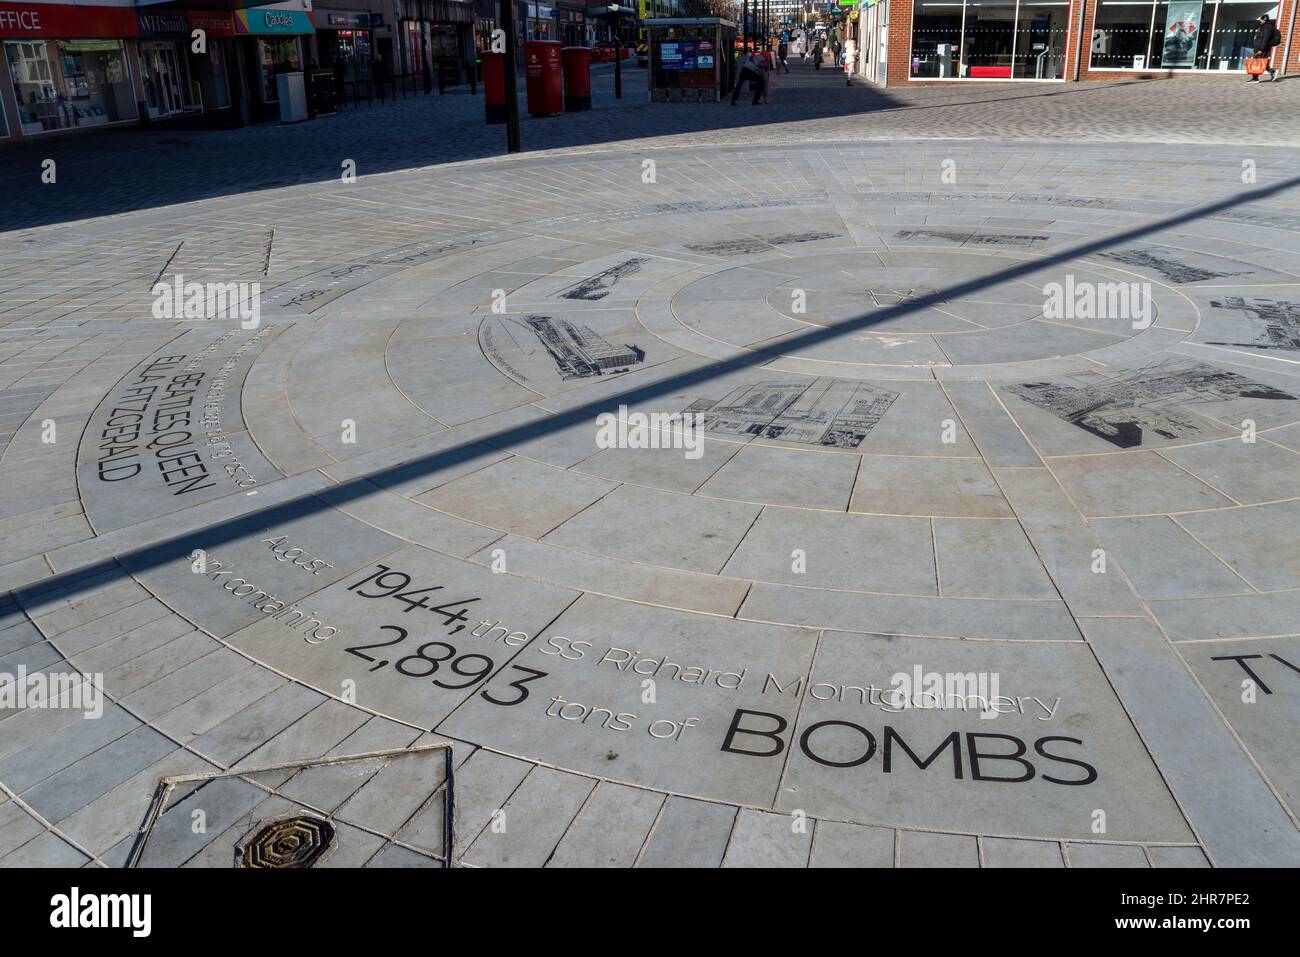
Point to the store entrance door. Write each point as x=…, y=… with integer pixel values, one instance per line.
x=163, y=83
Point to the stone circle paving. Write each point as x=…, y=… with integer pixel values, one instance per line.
x=954, y=523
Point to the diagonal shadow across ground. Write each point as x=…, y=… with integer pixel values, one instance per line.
x=142, y=558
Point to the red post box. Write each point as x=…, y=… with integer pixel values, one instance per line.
x=577, y=78
x=494, y=87
x=543, y=74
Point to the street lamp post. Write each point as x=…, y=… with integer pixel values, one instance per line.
x=618, y=52
x=508, y=68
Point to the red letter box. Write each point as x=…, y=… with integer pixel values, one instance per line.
x=577, y=78
x=544, y=78
x=494, y=87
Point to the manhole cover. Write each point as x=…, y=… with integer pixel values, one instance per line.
x=293, y=842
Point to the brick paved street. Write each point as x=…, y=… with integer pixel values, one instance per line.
x=117, y=170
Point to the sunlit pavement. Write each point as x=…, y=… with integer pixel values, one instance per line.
x=977, y=548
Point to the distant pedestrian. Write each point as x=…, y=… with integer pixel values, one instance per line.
x=379, y=75
x=783, y=51
x=817, y=54
x=750, y=72
x=1265, y=39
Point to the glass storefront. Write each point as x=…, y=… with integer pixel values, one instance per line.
x=1000, y=40
x=1175, y=35
x=276, y=55
x=209, y=70
x=65, y=84
x=344, y=42
x=163, y=70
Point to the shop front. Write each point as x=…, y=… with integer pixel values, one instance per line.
x=164, y=68
x=438, y=37
x=571, y=19
x=271, y=43
x=1054, y=40
x=65, y=67
x=1182, y=35
x=541, y=22
x=211, y=68
x=1000, y=40
x=344, y=42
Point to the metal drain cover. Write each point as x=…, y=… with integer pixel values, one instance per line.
x=292, y=842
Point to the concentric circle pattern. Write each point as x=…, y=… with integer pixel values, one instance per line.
x=956, y=521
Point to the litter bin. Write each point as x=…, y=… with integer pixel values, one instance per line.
x=293, y=97
x=577, y=78
x=321, y=99
x=543, y=75
x=494, y=87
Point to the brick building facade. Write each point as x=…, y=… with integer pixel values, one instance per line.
x=918, y=41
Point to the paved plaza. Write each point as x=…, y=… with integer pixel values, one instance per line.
x=888, y=479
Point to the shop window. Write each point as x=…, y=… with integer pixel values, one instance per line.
x=1231, y=46
x=1041, y=29
x=64, y=84
x=1176, y=34
x=210, y=87
x=987, y=40
x=990, y=39
x=1121, y=34
x=936, y=39
x=1183, y=29
x=277, y=55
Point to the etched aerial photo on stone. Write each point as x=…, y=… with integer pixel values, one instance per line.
x=896, y=465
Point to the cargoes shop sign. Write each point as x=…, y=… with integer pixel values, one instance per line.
x=261, y=20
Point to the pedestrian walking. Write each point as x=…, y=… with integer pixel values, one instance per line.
x=783, y=51
x=1265, y=39
x=817, y=54
x=379, y=76
x=750, y=72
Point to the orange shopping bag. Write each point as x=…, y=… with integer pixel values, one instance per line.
x=1256, y=65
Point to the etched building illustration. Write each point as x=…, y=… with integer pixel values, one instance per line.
x=1274, y=323
x=1144, y=402
x=579, y=352
x=827, y=413
x=597, y=287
